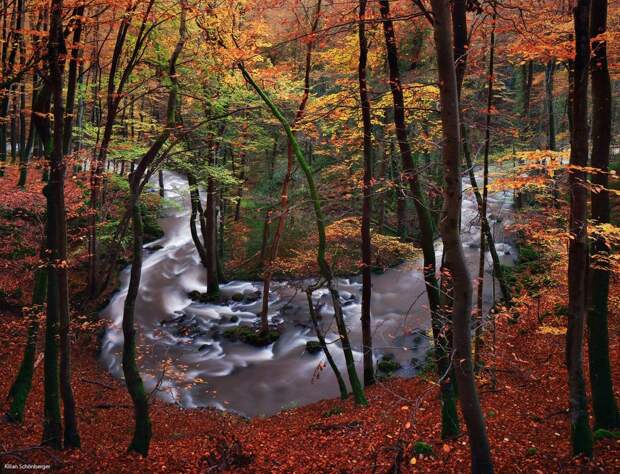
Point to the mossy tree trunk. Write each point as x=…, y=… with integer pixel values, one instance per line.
x=324, y=267
x=18, y=394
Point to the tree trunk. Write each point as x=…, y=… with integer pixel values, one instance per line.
x=133, y=380
x=603, y=401
x=194, y=194
x=549, y=75
x=325, y=269
x=483, y=207
x=442, y=349
x=453, y=249
x=18, y=394
x=369, y=376
x=142, y=432
x=319, y=335
x=459, y=26
x=581, y=436
x=213, y=286
x=289, y=169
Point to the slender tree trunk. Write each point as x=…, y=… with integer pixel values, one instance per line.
x=72, y=80
x=442, y=344
x=603, y=400
x=133, y=380
x=483, y=207
x=549, y=75
x=142, y=433
x=213, y=286
x=324, y=267
x=369, y=373
x=461, y=45
x=319, y=334
x=581, y=437
x=194, y=194
x=273, y=254
x=453, y=248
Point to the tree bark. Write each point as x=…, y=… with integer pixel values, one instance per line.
x=453, y=249
x=549, y=75
x=483, y=206
x=603, y=400
x=581, y=436
x=369, y=375
x=442, y=349
x=18, y=394
x=143, y=431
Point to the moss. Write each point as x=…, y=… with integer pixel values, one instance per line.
x=531, y=451
x=420, y=447
x=249, y=336
x=388, y=364
x=337, y=410
x=150, y=222
x=313, y=347
x=203, y=297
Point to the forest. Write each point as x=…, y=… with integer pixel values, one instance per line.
x=301, y=236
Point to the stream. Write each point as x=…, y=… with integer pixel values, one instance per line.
x=184, y=356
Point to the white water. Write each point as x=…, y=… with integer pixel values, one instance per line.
x=195, y=367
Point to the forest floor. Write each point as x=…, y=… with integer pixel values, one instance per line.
x=526, y=414
x=523, y=394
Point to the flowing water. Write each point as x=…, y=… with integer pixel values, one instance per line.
x=180, y=344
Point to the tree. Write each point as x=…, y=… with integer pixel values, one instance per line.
x=324, y=267
x=603, y=401
x=57, y=380
x=581, y=436
x=143, y=171
x=410, y=175
x=367, y=205
x=453, y=248
x=275, y=243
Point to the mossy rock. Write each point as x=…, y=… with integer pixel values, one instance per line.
x=388, y=364
x=337, y=410
x=238, y=297
x=313, y=347
x=203, y=297
x=420, y=447
x=250, y=336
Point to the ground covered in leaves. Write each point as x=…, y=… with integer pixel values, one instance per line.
x=526, y=413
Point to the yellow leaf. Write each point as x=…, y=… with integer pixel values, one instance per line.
x=413, y=461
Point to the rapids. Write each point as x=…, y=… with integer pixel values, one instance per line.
x=180, y=344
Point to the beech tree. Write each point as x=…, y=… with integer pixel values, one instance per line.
x=603, y=400
x=453, y=248
x=581, y=437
